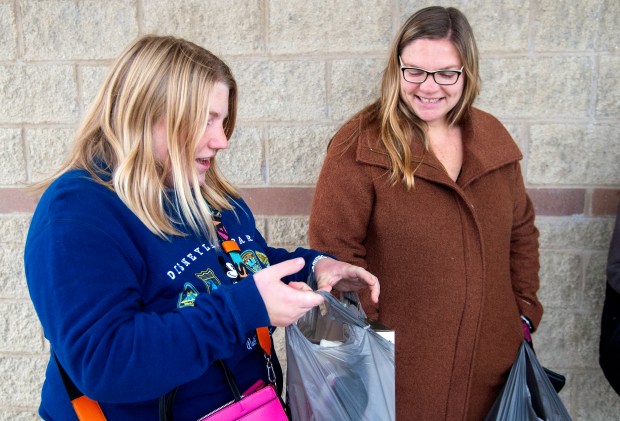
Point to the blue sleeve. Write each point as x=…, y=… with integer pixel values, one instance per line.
x=86, y=288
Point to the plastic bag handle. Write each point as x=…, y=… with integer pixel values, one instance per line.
x=343, y=312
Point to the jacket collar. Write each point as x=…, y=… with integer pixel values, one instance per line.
x=487, y=146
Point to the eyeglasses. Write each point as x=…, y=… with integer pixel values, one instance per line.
x=441, y=77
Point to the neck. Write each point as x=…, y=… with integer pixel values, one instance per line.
x=439, y=129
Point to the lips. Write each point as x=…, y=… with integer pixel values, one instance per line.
x=203, y=162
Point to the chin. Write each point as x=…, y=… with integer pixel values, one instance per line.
x=431, y=116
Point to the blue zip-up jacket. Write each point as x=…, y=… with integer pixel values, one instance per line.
x=131, y=316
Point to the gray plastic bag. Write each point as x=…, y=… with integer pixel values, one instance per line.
x=528, y=395
x=351, y=377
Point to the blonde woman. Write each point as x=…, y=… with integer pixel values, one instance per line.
x=426, y=192
x=143, y=263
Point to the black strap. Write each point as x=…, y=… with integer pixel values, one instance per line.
x=72, y=389
x=230, y=379
x=165, y=405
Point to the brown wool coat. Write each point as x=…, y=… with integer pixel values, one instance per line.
x=457, y=261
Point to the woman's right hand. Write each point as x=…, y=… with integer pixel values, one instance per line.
x=285, y=303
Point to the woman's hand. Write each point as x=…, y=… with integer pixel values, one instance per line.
x=341, y=276
x=285, y=303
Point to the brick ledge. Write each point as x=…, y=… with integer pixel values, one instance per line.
x=285, y=201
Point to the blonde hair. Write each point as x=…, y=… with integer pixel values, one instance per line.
x=399, y=124
x=156, y=77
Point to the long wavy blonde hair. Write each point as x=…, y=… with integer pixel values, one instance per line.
x=399, y=124
x=156, y=77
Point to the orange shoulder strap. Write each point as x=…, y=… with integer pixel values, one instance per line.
x=87, y=409
x=264, y=339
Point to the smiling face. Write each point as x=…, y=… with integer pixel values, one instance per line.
x=428, y=100
x=212, y=140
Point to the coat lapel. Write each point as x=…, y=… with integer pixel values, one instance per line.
x=485, y=148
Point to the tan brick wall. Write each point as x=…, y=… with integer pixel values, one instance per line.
x=549, y=71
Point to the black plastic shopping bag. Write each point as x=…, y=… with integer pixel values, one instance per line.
x=528, y=395
x=338, y=368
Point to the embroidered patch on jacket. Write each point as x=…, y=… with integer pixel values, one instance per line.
x=251, y=261
x=188, y=296
x=263, y=258
x=210, y=280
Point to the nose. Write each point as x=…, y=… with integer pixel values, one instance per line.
x=429, y=83
x=218, y=139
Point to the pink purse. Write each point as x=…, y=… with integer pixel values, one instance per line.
x=260, y=402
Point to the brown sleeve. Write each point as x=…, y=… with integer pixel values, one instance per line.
x=342, y=205
x=524, y=257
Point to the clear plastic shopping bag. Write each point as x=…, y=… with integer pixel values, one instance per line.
x=338, y=368
x=528, y=394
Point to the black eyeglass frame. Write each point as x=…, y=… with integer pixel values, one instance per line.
x=458, y=73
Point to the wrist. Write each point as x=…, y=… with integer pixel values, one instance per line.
x=316, y=259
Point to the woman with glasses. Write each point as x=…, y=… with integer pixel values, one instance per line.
x=426, y=192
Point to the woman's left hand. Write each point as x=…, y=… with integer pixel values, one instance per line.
x=341, y=276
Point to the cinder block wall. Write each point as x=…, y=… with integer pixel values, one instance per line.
x=549, y=69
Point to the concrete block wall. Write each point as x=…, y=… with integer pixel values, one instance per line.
x=549, y=71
